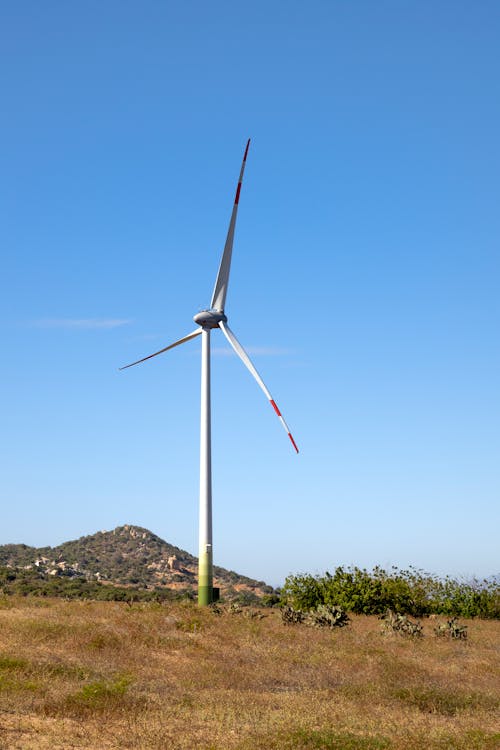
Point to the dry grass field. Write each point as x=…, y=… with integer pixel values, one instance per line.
x=105, y=675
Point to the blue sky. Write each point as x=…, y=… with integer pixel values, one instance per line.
x=364, y=278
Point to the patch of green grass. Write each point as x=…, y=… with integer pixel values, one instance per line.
x=6, y=602
x=478, y=740
x=360, y=691
x=98, y=692
x=14, y=675
x=190, y=625
x=11, y=664
x=20, y=674
x=102, y=641
x=308, y=739
x=474, y=739
x=99, y=696
x=70, y=671
x=18, y=685
x=436, y=700
x=45, y=630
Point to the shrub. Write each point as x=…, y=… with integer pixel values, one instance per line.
x=451, y=629
x=327, y=617
x=270, y=600
x=410, y=592
x=291, y=616
x=322, y=616
x=400, y=624
x=303, y=592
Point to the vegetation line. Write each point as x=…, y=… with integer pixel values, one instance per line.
x=410, y=592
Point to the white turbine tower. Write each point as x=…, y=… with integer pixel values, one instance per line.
x=207, y=320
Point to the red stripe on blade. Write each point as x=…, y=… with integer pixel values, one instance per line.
x=293, y=442
x=275, y=408
x=237, y=193
x=246, y=150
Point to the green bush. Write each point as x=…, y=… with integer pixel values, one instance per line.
x=409, y=592
x=32, y=583
x=302, y=592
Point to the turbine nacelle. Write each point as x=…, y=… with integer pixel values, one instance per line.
x=210, y=318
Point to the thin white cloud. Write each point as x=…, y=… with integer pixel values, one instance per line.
x=81, y=323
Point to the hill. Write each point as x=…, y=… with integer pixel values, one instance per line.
x=127, y=556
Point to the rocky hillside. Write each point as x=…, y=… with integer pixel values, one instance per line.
x=126, y=556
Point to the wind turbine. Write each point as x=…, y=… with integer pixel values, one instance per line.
x=208, y=320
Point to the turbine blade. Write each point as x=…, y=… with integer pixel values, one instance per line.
x=247, y=362
x=220, y=289
x=171, y=346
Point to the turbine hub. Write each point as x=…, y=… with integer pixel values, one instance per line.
x=209, y=318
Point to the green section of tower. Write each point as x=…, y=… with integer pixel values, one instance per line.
x=205, y=579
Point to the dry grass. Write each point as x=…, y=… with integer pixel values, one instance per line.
x=106, y=675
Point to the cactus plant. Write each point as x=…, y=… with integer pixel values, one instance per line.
x=325, y=616
x=451, y=629
x=291, y=616
x=400, y=624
